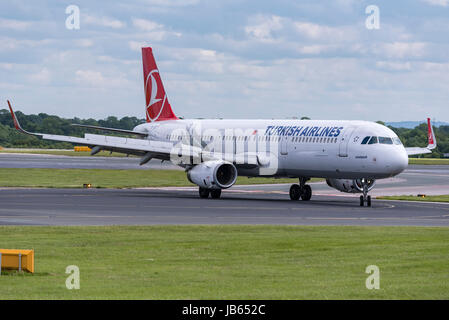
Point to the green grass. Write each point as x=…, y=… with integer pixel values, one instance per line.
x=64, y=152
x=442, y=198
x=428, y=161
x=230, y=262
x=104, y=178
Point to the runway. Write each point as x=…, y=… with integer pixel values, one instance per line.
x=254, y=204
x=241, y=205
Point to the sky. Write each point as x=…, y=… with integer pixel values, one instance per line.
x=229, y=59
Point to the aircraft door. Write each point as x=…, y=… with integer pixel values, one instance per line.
x=344, y=143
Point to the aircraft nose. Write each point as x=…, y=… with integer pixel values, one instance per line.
x=398, y=161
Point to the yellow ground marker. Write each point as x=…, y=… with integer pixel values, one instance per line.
x=81, y=148
x=17, y=259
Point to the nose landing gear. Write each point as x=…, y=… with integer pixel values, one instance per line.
x=303, y=190
x=365, y=198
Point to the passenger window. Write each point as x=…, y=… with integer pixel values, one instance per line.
x=365, y=140
x=373, y=140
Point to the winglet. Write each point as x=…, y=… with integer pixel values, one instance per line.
x=16, y=122
x=432, y=144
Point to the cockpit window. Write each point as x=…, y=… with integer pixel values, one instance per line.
x=365, y=140
x=382, y=140
x=373, y=140
x=385, y=140
x=396, y=140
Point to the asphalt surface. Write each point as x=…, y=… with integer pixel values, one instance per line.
x=182, y=206
x=17, y=160
x=256, y=204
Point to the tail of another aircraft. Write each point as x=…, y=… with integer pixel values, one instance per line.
x=432, y=142
x=157, y=106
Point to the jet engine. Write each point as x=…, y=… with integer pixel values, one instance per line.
x=350, y=186
x=215, y=174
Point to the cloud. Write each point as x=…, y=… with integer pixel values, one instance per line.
x=6, y=66
x=97, y=79
x=147, y=25
x=90, y=77
x=276, y=29
x=403, y=49
x=393, y=66
x=262, y=27
x=322, y=32
x=85, y=43
x=102, y=21
x=441, y=3
x=137, y=45
x=14, y=24
x=274, y=59
x=41, y=77
x=313, y=49
x=153, y=30
x=14, y=44
x=173, y=3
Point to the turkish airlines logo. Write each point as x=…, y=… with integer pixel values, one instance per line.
x=151, y=89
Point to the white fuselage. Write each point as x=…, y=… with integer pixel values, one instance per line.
x=303, y=148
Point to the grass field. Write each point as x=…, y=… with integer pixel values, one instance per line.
x=102, y=178
x=428, y=161
x=230, y=262
x=442, y=198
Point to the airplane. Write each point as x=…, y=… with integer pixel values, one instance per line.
x=350, y=155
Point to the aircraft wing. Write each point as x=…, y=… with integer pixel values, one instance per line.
x=148, y=149
x=432, y=142
x=141, y=134
x=140, y=147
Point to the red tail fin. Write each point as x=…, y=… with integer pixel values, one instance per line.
x=431, y=136
x=157, y=106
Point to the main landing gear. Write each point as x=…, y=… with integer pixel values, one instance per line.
x=214, y=193
x=301, y=190
x=365, y=198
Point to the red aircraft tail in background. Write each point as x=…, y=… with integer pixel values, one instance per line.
x=431, y=135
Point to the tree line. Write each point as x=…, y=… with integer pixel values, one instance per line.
x=44, y=123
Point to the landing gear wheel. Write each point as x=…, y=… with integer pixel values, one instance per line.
x=365, y=197
x=215, y=193
x=204, y=193
x=306, y=193
x=295, y=192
